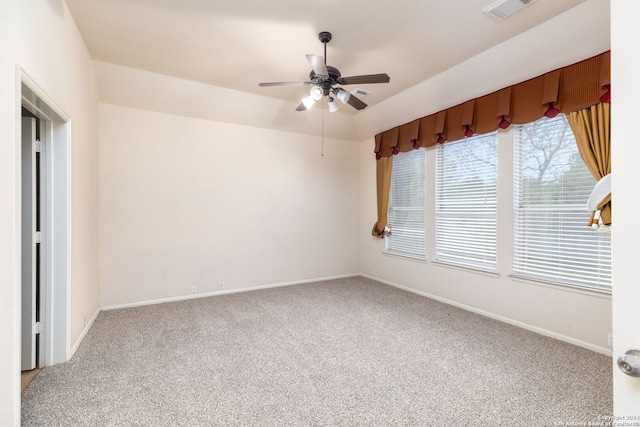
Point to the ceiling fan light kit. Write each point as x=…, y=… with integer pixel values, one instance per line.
x=342, y=95
x=316, y=93
x=324, y=77
x=333, y=105
x=307, y=102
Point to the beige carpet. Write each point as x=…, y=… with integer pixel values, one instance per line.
x=349, y=352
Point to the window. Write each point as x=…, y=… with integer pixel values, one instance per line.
x=552, y=185
x=466, y=202
x=406, y=205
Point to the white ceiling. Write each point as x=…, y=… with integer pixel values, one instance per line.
x=236, y=44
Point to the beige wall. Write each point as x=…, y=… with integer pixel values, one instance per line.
x=41, y=38
x=9, y=327
x=582, y=318
x=186, y=202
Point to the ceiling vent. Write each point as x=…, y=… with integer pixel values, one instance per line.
x=503, y=8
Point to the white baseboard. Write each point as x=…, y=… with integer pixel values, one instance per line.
x=598, y=349
x=223, y=292
x=82, y=335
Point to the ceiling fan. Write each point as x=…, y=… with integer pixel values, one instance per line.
x=323, y=78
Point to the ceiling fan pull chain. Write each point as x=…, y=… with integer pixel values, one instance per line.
x=322, y=130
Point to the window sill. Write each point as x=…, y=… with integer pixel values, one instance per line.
x=465, y=268
x=405, y=256
x=601, y=293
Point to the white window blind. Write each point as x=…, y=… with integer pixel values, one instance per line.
x=407, y=205
x=466, y=202
x=552, y=241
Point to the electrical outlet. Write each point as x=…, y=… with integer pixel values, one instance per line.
x=194, y=289
x=610, y=339
x=373, y=271
x=220, y=284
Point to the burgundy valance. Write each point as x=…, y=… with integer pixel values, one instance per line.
x=564, y=90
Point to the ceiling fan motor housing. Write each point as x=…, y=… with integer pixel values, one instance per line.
x=325, y=82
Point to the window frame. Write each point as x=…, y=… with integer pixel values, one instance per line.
x=404, y=242
x=577, y=239
x=473, y=207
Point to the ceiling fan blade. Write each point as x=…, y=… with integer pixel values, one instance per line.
x=369, y=78
x=290, y=83
x=356, y=103
x=301, y=107
x=317, y=64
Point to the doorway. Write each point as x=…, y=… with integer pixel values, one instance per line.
x=45, y=228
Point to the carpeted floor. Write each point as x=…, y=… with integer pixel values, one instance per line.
x=348, y=352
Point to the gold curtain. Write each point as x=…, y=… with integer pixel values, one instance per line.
x=591, y=128
x=383, y=183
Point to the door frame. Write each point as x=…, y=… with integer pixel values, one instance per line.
x=55, y=293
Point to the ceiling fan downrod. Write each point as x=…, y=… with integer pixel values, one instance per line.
x=325, y=37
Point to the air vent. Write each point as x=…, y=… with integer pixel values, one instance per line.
x=503, y=8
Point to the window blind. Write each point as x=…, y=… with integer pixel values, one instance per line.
x=407, y=205
x=551, y=187
x=466, y=202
